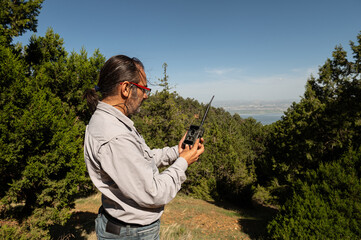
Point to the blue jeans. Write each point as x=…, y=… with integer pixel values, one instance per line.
x=127, y=232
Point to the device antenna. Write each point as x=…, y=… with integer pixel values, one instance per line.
x=205, y=114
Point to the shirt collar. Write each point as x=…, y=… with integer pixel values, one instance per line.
x=116, y=113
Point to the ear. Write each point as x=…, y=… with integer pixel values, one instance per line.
x=124, y=89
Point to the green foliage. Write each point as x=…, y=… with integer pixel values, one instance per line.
x=42, y=123
x=327, y=206
x=312, y=159
x=11, y=102
x=10, y=232
x=232, y=151
x=16, y=17
x=320, y=127
x=49, y=156
x=67, y=76
x=261, y=196
x=160, y=120
x=226, y=170
x=309, y=160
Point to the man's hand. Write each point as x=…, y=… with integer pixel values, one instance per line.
x=180, y=149
x=191, y=154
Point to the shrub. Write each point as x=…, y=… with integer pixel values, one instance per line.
x=326, y=206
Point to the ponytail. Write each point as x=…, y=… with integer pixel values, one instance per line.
x=92, y=98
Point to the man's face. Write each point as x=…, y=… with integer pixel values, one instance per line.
x=137, y=94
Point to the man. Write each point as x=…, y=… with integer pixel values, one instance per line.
x=121, y=165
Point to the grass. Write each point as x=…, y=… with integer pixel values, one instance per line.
x=197, y=219
x=184, y=218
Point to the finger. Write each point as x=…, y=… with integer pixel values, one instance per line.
x=200, y=150
x=181, y=141
x=196, y=144
x=184, y=137
x=201, y=143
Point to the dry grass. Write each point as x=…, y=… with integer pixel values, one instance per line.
x=198, y=219
x=184, y=218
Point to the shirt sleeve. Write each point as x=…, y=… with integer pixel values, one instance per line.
x=135, y=174
x=165, y=156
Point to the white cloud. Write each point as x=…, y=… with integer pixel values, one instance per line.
x=222, y=71
x=229, y=84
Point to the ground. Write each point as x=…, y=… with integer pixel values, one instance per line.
x=183, y=218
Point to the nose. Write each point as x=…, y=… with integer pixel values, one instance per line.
x=145, y=96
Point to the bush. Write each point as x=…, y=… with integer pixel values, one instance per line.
x=327, y=206
x=8, y=232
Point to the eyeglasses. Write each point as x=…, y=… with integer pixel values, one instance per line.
x=144, y=89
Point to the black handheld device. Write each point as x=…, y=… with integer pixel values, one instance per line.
x=195, y=131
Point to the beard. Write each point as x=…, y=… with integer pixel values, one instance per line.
x=133, y=104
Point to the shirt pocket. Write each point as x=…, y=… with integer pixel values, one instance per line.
x=150, y=159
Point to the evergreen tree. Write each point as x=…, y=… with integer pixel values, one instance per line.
x=42, y=123
x=326, y=206
x=18, y=16
x=319, y=128
x=12, y=78
x=314, y=156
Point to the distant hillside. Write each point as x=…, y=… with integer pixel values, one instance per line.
x=255, y=107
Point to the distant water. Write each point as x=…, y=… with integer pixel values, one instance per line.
x=265, y=118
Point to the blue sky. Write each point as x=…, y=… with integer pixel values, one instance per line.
x=236, y=50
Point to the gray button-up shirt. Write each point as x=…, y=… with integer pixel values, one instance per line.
x=124, y=168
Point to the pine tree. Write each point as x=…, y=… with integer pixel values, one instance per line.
x=315, y=155
x=18, y=16
x=42, y=123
